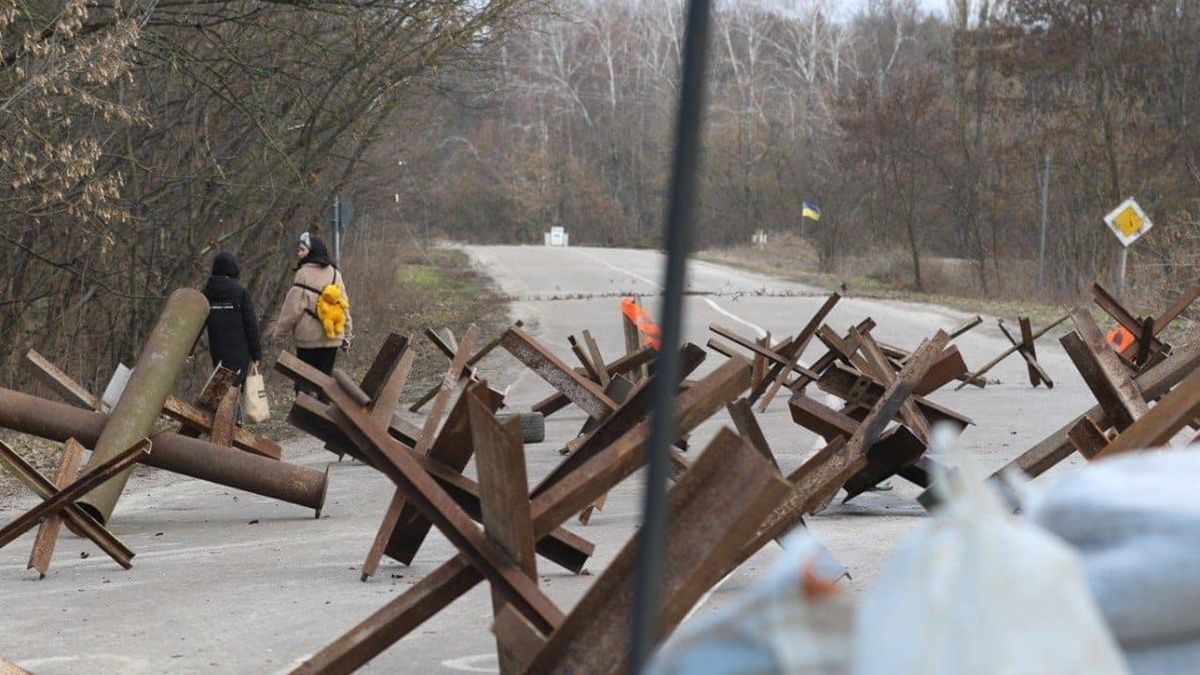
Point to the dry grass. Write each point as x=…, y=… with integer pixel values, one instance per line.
x=888, y=274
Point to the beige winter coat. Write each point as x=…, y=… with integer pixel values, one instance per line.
x=306, y=329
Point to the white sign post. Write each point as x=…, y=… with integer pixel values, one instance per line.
x=1128, y=222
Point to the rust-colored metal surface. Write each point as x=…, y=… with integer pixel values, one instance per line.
x=314, y=417
x=47, y=534
x=584, y=393
x=1177, y=409
x=180, y=454
x=391, y=518
x=504, y=496
x=61, y=383
x=978, y=374
x=713, y=510
x=558, y=503
x=817, y=480
x=225, y=418
x=778, y=373
x=478, y=356
x=628, y=365
x=1102, y=370
x=133, y=418
x=439, y=507
x=86, y=483
x=1154, y=383
x=77, y=519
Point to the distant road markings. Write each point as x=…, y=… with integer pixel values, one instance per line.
x=479, y=663
x=711, y=303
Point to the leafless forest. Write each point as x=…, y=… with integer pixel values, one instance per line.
x=925, y=135
x=140, y=137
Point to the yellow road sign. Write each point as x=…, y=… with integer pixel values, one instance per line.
x=1128, y=221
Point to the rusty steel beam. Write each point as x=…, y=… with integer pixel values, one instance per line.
x=195, y=418
x=450, y=384
x=897, y=449
x=1129, y=322
x=742, y=414
x=220, y=381
x=778, y=373
x=628, y=363
x=713, y=510
x=819, y=478
x=630, y=413
x=504, y=495
x=555, y=506
x=86, y=483
x=78, y=520
x=759, y=350
x=1056, y=447
x=973, y=377
x=386, y=361
x=179, y=454
x=597, y=358
x=452, y=448
x=59, y=382
x=1102, y=370
x=47, y=534
x=478, y=356
x=445, y=345
x=438, y=506
x=585, y=361
x=1036, y=373
x=1087, y=438
x=581, y=391
x=133, y=418
x=560, y=546
x=1178, y=408
x=1026, y=347
x=851, y=387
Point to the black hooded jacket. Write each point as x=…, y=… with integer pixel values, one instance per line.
x=232, y=323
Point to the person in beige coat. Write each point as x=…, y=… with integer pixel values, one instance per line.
x=314, y=272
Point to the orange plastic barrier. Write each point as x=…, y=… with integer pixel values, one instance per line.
x=650, y=332
x=1120, y=338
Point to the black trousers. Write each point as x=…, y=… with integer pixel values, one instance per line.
x=321, y=358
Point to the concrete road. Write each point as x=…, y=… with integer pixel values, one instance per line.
x=231, y=582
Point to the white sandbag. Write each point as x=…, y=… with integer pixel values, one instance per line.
x=1179, y=658
x=1131, y=495
x=793, y=621
x=975, y=591
x=1135, y=522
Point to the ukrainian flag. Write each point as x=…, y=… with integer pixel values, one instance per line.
x=811, y=211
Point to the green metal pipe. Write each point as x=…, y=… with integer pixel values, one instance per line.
x=141, y=404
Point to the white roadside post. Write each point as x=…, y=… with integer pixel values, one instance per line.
x=1128, y=222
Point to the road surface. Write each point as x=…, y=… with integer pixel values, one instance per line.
x=230, y=582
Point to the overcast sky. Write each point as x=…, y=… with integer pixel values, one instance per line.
x=938, y=6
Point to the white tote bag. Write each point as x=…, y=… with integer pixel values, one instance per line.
x=254, y=399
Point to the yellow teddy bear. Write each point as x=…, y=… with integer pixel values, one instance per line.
x=331, y=309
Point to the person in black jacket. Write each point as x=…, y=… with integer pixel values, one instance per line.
x=232, y=324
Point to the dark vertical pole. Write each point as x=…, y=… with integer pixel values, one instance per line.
x=678, y=242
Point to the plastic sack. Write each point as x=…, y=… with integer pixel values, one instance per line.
x=794, y=620
x=975, y=591
x=1135, y=522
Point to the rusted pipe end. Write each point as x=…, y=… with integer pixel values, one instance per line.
x=324, y=492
